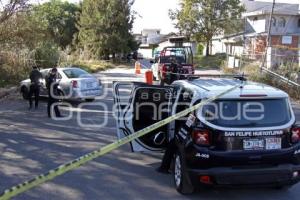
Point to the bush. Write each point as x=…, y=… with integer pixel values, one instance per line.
x=200, y=49
x=254, y=74
x=46, y=55
x=212, y=61
x=13, y=68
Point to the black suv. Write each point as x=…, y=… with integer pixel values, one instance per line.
x=247, y=137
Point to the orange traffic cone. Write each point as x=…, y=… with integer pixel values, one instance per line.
x=149, y=77
x=137, y=67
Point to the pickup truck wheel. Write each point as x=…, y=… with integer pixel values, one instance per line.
x=181, y=180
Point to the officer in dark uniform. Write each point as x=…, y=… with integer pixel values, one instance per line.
x=52, y=86
x=35, y=77
x=168, y=157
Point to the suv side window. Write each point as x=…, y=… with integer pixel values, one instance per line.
x=184, y=102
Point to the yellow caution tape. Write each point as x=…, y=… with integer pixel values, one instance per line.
x=38, y=180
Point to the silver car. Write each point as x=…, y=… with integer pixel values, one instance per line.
x=74, y=84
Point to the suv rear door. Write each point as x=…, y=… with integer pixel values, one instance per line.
x=138, y=106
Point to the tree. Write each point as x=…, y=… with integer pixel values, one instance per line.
x=46, y=55
x=9, y=8
x=105, y=27
x=60, y=19
x=203, y=19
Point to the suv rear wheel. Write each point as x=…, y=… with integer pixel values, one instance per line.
x=182, y=182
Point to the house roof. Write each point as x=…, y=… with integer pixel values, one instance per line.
x=260, y=8
x=232, y=38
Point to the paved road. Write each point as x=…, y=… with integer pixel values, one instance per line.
x=32, y=144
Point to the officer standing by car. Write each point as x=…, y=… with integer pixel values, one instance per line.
x=35, y=77
x=167, y=158
x=52, y=86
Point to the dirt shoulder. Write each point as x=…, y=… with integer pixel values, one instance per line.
x=4, y=92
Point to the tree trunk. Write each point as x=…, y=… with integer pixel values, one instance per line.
x=207, y=48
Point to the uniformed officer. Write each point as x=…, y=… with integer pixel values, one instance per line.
x=168, y=156
x=52, y=86
x=35, y=78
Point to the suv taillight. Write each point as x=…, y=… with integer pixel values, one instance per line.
x=201, y=137
x=295, y=137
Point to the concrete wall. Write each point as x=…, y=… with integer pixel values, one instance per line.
x=147, y=53
x=217, y=46
x=260, y=24
x=256, y=24
x=291, y=26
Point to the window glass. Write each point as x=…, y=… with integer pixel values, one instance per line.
x=248, y=113
x=282, y=22
x=75, y=73
x=274, y=21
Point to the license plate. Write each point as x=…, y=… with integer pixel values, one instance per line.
x=89, y=85
x=254, y=144
x=273, y=143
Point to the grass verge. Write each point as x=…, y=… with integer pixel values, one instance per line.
x=210, y=62
x=256, y=75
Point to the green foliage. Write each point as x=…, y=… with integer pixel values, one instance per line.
x=22, y=31
x=60, y=19
x=254, y=74
x=105, y=27
x=13, y=67
x=46, y=55
x=210, y=62
x=236, y=26
x=203, y=19
x=200, y=49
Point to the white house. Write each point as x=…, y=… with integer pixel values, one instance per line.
x=285, y=33
x=149, y=39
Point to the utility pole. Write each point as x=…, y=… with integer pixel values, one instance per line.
x=268, y=41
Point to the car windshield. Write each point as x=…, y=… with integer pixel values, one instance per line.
x=76, y=73
x=248, y=113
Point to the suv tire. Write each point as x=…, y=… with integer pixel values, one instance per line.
x=181, y=179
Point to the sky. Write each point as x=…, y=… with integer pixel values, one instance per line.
x=154, y=14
